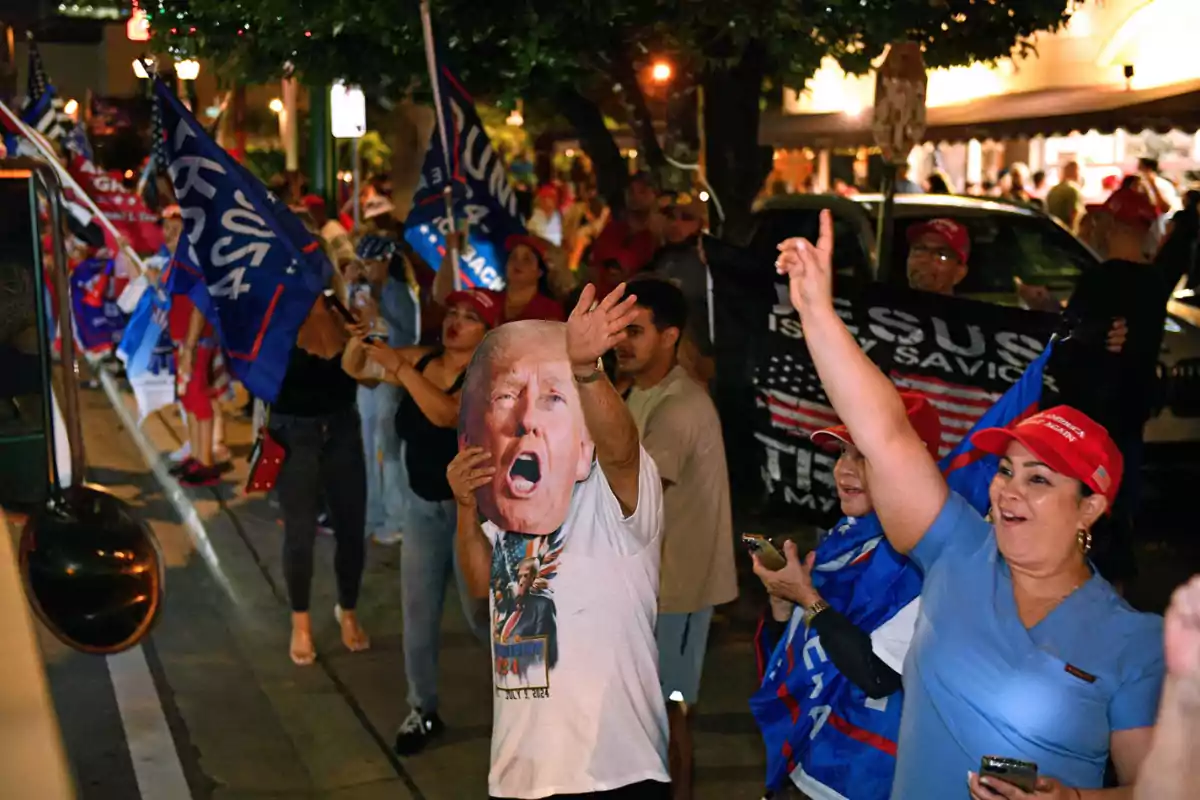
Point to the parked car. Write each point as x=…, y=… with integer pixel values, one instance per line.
x=1008, y=243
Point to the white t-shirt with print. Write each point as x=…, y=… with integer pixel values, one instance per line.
x=577, y=702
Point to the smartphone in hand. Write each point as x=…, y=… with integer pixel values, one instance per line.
x=767, y=553
x=335, y=303
x=1022, y=774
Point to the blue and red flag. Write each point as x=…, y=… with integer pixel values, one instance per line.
x=969, y=471
x=245, y=260
x=821, y=731
x=99, y=321
x=483, y=198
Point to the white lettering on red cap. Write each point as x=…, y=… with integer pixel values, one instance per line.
x=1068, y=430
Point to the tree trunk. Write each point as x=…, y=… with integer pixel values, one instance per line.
x=736, y=164
x=597, y=141
x=640, y=117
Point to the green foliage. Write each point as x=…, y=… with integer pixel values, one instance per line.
x=518, y=47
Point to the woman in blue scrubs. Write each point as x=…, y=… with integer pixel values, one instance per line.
x=1021, y=650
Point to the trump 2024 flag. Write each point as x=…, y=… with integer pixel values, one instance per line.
x=245, y=260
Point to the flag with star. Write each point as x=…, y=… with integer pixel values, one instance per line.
x=482, y=195
x=43, y=109
x=245, y=260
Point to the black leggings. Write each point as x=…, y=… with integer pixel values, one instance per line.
x=324, y=460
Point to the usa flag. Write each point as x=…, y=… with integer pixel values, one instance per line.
x=43, y=110
x=791, y=392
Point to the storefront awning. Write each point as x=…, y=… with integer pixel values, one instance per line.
x=1013, y=116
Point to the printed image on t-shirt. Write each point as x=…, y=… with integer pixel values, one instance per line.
x=524, y=629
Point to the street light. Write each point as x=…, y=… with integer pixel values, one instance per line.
x=187, y=70
x=276, y=105
x=661, y=72
x=71, y=107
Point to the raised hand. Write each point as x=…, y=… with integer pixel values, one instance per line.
x=809, y=267
x=595, y=328
x=470, y=470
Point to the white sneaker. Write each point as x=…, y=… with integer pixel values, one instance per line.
x=182, y=454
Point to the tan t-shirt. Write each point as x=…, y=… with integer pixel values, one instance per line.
x=682, y=433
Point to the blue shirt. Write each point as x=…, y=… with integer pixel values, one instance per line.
x=977, y=682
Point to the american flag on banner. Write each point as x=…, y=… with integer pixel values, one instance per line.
x=43, y=109
x=959, y=406
x=784, y=382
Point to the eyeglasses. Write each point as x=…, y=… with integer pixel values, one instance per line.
x=942, y=255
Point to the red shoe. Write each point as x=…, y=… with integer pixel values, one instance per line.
x=183, y=467
x=200, y=476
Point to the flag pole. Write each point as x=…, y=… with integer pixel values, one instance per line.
x=47, y=152
x=448, y=191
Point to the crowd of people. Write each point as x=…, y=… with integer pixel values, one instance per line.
x=553, y=449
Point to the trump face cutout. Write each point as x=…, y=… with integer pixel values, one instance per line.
x=521, y=405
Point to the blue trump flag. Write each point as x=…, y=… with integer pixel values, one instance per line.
x=245, y=260
x=480, y=189
x=821, y=731
x=969, y=471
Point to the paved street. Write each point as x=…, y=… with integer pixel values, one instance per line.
x=245, y=723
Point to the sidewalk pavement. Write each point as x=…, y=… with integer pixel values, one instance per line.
x=326, y=730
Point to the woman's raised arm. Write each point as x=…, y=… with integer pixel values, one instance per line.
x=907, y=489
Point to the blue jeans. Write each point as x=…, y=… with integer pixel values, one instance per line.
x=426, y=561
x=387, y=485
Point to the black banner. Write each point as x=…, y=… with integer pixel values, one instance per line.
x=961, y=354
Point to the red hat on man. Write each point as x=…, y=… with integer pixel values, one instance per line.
x=952, y=233
x=921, y=415
x=484, y=303
x=1066, y=440
x=532, y=242
x=1131, y=207
x=311, y=201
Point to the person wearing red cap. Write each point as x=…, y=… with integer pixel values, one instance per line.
x=427, y=422
x=1134, y=289
x=1021, y=650
x=937, y=255
x=332, y=231
x=860, y=599
x=527, y=293
x=546, y=222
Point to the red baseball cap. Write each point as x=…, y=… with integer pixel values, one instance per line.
x=532, y=242
x=1131, y=207
x=1069, y=442
x=949, y=231
x=486, y=304
x=921, y=415
x=312, y=201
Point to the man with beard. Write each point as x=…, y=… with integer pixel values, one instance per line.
x=536, y=406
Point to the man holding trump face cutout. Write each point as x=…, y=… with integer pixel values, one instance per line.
x=568, y=556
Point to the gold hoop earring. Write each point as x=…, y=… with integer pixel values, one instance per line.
x=1084, y=539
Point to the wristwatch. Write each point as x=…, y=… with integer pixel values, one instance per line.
x=811, y=612
x=595, y=375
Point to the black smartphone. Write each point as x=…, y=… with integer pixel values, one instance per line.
x=334, y=302
x=1021, y=774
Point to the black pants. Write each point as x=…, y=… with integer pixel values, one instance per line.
x=646, y=790
x=324, y=460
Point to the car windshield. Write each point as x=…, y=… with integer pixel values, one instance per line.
x=1004, y=247
x=772, y=226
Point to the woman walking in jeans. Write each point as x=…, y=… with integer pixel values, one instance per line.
x=315, y=420
x=428, y=423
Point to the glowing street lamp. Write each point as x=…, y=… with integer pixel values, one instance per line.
x=71, y=107
x=276, y=105
x=661, y=71
x=187, y=70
